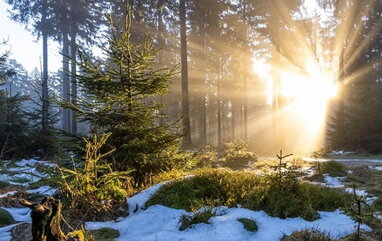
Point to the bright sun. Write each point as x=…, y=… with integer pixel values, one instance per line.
x=308, y=95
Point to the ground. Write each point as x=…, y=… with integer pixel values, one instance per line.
x=26, y=178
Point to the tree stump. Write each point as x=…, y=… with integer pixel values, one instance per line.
x=46, y=219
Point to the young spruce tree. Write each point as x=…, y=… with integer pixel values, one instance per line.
x=119, y=97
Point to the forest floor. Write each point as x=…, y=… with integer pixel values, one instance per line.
x=29, y=179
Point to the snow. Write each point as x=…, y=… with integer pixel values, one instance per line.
x=308, y=159
x=161, y=223
x=44, y=190
x=19, y=214
x=5, y=232
x=11, y=193
x=33, y=162
x=138, y=201
x=333, y=182
x=361, y=193
x=378, y=168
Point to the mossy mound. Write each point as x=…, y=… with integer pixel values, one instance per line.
x=280, y=197
x=5, y=218
x=333, y=168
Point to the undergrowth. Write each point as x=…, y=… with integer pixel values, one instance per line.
x=201, y=216
x=93, y=190
x=307, y=235
x=282, y=198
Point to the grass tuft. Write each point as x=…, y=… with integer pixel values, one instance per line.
x=203, y=216
x=307, y=235
x=333, y=168
x=105, y=234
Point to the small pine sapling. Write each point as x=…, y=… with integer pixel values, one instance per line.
x=96, y=186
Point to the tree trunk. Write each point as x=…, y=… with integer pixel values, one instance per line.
x=184, y=69
x=44, y=70
x=46, y=218
x=65, y=82
x=219, y=126
x=73, y=55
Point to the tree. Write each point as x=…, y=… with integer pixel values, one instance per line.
x=184, y=65
x=118, y=98
x=37, y=13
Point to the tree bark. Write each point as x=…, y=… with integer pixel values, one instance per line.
x=65, y=82
x=184, y=69
x=45, y=69
x=46, y=218
x=73, y=55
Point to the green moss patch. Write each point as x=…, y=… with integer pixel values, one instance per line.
x=281, y=197
x=188, y=220
x=5, y=218
x=249, y=224
x=105, y=234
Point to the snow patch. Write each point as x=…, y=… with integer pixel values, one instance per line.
x=19, y=214
x=378, y=168
x=44, y=190
x=162, y=224
x=138, y=201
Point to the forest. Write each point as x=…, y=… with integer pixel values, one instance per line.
x=191, y=120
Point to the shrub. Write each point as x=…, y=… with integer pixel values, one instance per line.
x=249, y=224
x=333, y=168
x=95, y=187
x=236, y=155
x=308, y=235
x=205, y=157
x=203, y=216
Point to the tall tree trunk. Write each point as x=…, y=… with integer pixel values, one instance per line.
x=45, y=69
x=185, y=97
x=65, y=82
x=161, y=44
x=203, y=120
x=73, y=55
x=245, y=110
x=219, y=126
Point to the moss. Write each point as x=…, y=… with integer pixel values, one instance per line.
x=105, y=234
x=5, y=218
x=285, y=198
x=20, y=180
x=249, y=224
x=4, y=184
x=188, y=220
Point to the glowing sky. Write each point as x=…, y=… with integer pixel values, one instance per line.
x=23, y=45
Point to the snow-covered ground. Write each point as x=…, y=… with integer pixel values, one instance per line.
x=23, y=173
x=161, y=223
